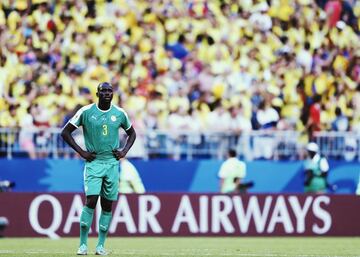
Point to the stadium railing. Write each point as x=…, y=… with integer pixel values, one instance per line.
x=259, y=144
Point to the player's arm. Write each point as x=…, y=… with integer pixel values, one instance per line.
x=68, y=138
x=324, y=167
x=308, y=176
x=131, y=136
x=221, y=176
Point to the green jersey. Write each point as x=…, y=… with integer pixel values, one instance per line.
x=101, y=128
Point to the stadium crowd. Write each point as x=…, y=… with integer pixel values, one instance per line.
x=187, y=65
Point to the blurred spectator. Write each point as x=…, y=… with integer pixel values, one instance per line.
x=333, y=10
x=178, y=123
x=313, y=122
x=348, y=15
x=210, y=52
x=341, y=122
x=260, y=19
x=130, y=181
x=267, y=117
x=8, y=119
x=316, y=169
x=41, y=121
x=26, y=136
x=304, y=57
x=231, y=173
x=178, y=49
x=239, y=122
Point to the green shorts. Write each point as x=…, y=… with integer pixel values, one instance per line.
x=102, y=178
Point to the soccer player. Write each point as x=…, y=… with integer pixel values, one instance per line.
x=100, y=123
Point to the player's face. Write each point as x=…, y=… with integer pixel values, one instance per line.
x=311, y=154
x=105, y=93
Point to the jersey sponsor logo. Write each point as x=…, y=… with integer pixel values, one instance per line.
x=113, y=118
x=93, y=117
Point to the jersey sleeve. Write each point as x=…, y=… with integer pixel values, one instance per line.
x=126, y=123
x=241, y=170
x=324, y=165
x=222, y=171
x=76, y=120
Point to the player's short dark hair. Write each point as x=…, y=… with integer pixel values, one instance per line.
x=232, y=153
x=103, y=84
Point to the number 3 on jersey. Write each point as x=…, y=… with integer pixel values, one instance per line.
x=105, y=130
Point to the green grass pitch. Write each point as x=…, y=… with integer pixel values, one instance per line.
x=188, y=247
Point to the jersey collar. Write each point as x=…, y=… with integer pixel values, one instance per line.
x=103, y=110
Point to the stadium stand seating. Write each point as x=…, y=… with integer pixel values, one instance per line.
x=198, y=66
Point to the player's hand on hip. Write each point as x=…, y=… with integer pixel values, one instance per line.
x=118, y=154
x=88, y=156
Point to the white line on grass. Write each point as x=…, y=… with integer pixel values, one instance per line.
x=137, y=253
x=31, y=252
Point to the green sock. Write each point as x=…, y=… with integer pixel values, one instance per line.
x=85, y=224
x=104, y=223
